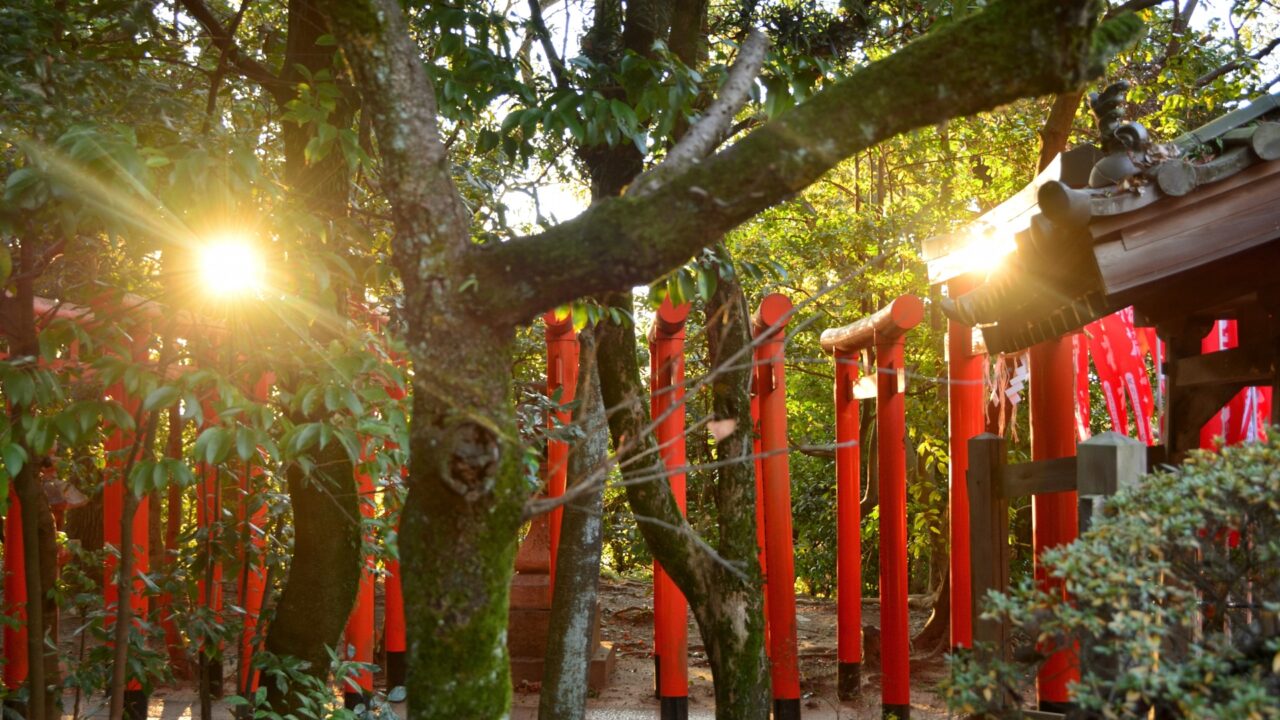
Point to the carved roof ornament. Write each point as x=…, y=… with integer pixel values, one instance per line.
x=1125, y=143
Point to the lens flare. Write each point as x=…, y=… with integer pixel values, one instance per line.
x=230, y=266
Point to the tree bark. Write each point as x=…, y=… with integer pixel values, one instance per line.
x=738, y=662
x=38, y=544
x=1057, y=127
x=321, y=586
x=573, y=607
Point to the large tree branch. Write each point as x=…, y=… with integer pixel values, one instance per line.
x=1014, y=49
x=224, y=40
x=702, y=139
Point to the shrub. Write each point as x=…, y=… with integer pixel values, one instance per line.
x=1174, y=596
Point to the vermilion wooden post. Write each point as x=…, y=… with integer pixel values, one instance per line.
x=562, y=376
x=15, y=599
x=252, y=555
x=394, y=625
x=769, y=322
x=116, y=447
x=359, y=634
x=885, y=330
x=966, y=401
x=891, y=454
x=173, y=641
x=1053, y=516
x=848, y=529
x=671, y=611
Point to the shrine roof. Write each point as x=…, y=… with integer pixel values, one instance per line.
x=1174, y=228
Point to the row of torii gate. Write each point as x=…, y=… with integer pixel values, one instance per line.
x=211, y=490
x=883, y=331
x=852, y=346
x=870, y=347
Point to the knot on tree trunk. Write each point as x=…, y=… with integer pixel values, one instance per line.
x=471, y=460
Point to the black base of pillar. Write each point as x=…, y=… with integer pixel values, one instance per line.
x=657, y=677
x=13, y=709
x=674, y=708
x=396, y=670
x=212, y=678
x=786, y=709
x=135, y=704
x=898, y=712
x=1062, y=708
x=849, y=681
x=353, y=700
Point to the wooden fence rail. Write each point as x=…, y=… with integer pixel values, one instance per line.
x=1104, y=464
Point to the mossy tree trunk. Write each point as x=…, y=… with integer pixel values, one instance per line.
x=463, y=301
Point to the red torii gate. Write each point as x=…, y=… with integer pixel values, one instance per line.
x=774, y=499
x=884, y=331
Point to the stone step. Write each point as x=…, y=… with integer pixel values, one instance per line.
x=529, y=669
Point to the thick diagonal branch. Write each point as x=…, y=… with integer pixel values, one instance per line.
x=1009, y=51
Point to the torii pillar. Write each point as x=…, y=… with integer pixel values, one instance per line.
x=769, y=323
x=670, y=609
x=966, y=410
x=1053, y=515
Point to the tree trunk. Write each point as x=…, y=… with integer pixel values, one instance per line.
x=722, y=585
x=1057, y=127
x=573, y=606
x=461, y=520
x=320, y=590
x=38, y=545
x=936, y=633
x=324, y=571
x=736, y=652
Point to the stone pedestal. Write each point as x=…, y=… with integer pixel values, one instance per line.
x=529, y=622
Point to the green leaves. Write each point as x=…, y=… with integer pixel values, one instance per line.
x=14, y=457
x=214, y=445
x=161, y=397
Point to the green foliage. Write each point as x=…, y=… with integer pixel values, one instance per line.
x=314, y=698
x=1174, y=590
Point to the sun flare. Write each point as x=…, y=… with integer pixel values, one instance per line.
x=230, y=266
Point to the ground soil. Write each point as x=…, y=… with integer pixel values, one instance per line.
x=627, y=622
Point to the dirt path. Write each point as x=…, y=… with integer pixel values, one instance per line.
x=627, y=617
x=627, y=610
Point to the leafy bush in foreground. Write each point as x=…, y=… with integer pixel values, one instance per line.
x=1175, y=594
